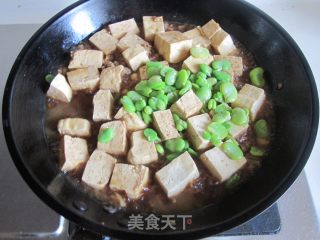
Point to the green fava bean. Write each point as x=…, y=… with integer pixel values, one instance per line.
x=239, y=116
x=212, y=81
x=257, y=152
x=156, y=83
x=151, y=135
x=205, y=69
x=229, y=92
x=140, y=104
x=170, y=78
x=166, y=70
x=163, y=97
x=172, y=156
x=218, y=97
x=154, y=64
x=204, y=94
x=232, y=181
x=175, y=117
x=192, y=152
x=221, y=117
x=160, y=149
x=261, y=128
x=222, y=76
x=146, y=118
x=152, y=71
x=201, y=74
x=201, y=82
x=106, y=135
x=256, y=77
x=135, y=96
x=219, y=65
x=139, y=115
x=143, y=89
x=212, y=104
x=218, y=129
x=161, y=105
x=222, y=108
x=215, y=140
x=206, y=135
x=172, y=97
x=232, y=150
x=152, y=102
x=128, y=104
x=49, y=78
x=148, y=110
x=182, y=79
x=175, y=145
x=199, y=52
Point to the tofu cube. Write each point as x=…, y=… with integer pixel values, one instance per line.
x=198, y=40
x=84, y=79
x=151, y=26
x=143, y=70
x=142, y=151
x=129, y=178
x=135, y=56
x=76, y=127
x=98, y=170
x=102, y=106
x=193, y=63
x=75, y=153
x=250, y=97
x=104, y=41
x=222, y=43
x=219, y=164
x=210, y=28
x=121, y=28
x=187, y=105
x=236, y=63
x=86, y=58
x=175, y=177
x=237, y=130
x=111, y=78
x=132, y=120
x=196, y=127
x=118, y=145
x=130, y=40
x=59, y=89
x=173, y=46
x=163, y=122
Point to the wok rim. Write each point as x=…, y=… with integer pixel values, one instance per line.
x=242, y=217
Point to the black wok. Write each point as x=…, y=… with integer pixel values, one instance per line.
x=295, y=104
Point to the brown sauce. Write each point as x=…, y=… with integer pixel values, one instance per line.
x=204, y=190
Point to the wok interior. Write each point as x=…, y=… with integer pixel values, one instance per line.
x=292, y=104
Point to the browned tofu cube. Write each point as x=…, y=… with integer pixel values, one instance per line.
x=193, y=64
x=151, y=26
x=76, y=127
x=75, y=153
x=132, y=120
x=86, y=58
x=104, y=41
x=130, y=40
x=196, y=127
x=118, y=145
x=135, y=57
x=111, y=78
x=142, y=151
x=220, y=165
x=210, y=28
x=236, y=63
x=119, y=29
x=250, y=97
x=173, y=46
x=102, y=106
x=198, y=40
x=84, y=79
x=222, y=43
x=98, y=170
x=187, y=105
x=175, y=176
x=163, y=122
x=129, y=178
x=59, y=89
x=237, y=130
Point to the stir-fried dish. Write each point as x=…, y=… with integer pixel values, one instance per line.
x=160, y=116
